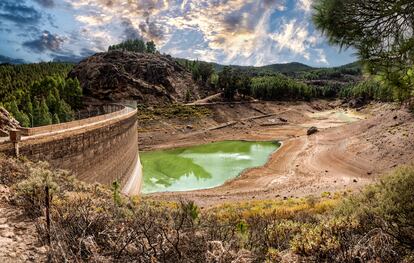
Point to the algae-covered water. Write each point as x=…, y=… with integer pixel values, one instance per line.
x=203, y=166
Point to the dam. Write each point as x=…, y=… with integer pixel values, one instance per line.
x=99, y=149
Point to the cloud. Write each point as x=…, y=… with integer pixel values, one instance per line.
x=46, y=3
x=9, y=60
x=152, y=31
x=246, y=32
x=19, y=13
x=67, y=56
x=321, y=57
x=237, y=28
x=305, y=5
x=130, y=32
x=46, y=42
x=295, y=37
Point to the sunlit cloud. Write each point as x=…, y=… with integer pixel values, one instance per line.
x=295, y=37
x=305, y=5
x=245, y=32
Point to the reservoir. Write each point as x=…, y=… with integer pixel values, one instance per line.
x=203, y=166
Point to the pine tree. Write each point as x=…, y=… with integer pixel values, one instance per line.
x=381, y=31
x=55, y=119
x=36, y=113
x=151, y=48
x=52, y=103
x=73, y=93
x=21, y=117
x=133, y=45
x=65, y=113
x=43, y=116
x=27, y=106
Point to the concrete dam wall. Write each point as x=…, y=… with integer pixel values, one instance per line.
x=98, y=149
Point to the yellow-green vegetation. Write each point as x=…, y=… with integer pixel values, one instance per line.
x=98, y=224
x=176, y=111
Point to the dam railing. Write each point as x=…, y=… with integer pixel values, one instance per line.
x=100, y=149
x=113, y=109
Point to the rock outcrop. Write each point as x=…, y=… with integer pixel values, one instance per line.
x=312, y=130
x=7, y=122
x=147, y=78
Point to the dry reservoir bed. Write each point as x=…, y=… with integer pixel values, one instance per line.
x=346, y=153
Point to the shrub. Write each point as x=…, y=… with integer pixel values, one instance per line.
x=12, y=170
x=30, y=193
x=329, y=241
x=389, y=206
x=370, y=89
x=93, y=223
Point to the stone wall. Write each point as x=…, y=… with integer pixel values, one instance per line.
x=100, y=151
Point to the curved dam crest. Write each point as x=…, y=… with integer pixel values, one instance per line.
x=99, y=149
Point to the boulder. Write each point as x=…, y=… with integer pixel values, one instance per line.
x=312, y=130
x=7, y=122
x=150, y=79
x=356, y=103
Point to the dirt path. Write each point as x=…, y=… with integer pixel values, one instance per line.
x=18, y=238
x=335, y=159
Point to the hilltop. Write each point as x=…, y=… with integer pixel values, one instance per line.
x=144, y=77
x=271, y=68
x=291, y=68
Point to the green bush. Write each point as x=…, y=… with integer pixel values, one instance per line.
x=370, y=89
x=30, y=193
x=279, y=87
x=389, y=206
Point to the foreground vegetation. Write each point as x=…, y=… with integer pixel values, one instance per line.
x=95, y=223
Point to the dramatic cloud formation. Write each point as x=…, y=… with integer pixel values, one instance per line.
x=244, y=32
x=69, y=57
x=295, y=37
x=18, y=12
x=46, y=3
x=47, y=41
x=8, y=60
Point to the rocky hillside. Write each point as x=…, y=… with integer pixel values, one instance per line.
x=146, y=78
x=7, y=122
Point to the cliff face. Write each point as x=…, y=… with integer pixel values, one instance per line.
x=147, y=78
x=7, y=122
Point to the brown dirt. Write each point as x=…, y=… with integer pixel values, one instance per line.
x=341, y=156
x=18, y=236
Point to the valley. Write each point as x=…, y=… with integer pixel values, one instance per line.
x=344, y=155
x=207, y=131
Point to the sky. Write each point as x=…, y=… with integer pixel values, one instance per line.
x=236, y=32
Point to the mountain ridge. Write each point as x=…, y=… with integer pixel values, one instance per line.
x=270, y=68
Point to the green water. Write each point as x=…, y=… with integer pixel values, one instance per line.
x=203, y=166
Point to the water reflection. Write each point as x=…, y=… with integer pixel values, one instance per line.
x=202, y=166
